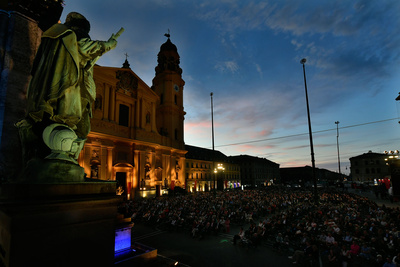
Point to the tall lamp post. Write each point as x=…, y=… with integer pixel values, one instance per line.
x=212, y=131
x=303, y=61
x=337, y=144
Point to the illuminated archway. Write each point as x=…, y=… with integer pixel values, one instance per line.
x=123, y=174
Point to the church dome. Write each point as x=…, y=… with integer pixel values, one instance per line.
x=168, y=46
x=168, y=58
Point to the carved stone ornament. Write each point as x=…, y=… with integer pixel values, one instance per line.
x=177, y=167
x=127, y=82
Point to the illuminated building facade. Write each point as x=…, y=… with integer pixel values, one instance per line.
x=136, y=133
x=206, y=168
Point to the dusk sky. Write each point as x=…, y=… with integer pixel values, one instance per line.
x=248, y=54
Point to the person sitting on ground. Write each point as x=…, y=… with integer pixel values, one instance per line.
x=389, y=263
x=238, y=236
x=300, y=255
x=365, y=251
x=354, y=248
x=346, y=256
x=348, y=238
x=334, y=255
x=278, y=242
x=329, y=240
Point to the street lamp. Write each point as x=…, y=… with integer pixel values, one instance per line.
x=303, y=61
x=337, y=144
x=391, y=155
x=212, y=131
x=220, y=168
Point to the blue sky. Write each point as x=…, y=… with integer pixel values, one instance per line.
x=248, y=54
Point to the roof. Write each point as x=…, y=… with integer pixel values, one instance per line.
x=200, y=153
x=368, y=155
x=244, y=158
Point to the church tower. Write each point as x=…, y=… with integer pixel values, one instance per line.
x=168, y=84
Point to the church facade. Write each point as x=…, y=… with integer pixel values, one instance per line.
x=136, y=133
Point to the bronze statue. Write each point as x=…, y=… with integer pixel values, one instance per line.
x=62, y=90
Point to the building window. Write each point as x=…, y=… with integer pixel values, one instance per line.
x=162, y=99
x=176, y=99
x=176, y=134
x=123, y=115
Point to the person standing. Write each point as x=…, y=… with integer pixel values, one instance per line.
x=227, y=225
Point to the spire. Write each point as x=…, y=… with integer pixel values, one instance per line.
x=126, y=63
x=167, y=34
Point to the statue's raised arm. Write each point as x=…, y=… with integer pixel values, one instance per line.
x=115, y=36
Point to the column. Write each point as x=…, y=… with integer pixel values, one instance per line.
x=109, y=173
x=103, y=162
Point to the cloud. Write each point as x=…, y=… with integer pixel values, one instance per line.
x=230, y=66
x=360, y=21
x=297, y=44
x=258, y=69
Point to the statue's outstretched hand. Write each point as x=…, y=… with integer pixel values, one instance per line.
x=112, y=42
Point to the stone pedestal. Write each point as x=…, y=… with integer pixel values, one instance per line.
x=51, y=171
x=70, y=224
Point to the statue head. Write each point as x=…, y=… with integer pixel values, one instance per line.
x=79, y=24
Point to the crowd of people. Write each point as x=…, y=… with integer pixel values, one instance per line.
x=343, y=229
